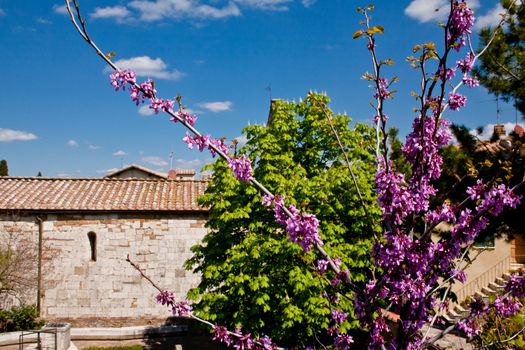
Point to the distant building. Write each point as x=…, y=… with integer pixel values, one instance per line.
x=86, y=228
x=140, y=172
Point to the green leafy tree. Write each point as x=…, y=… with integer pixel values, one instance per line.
x=4, y=170
x=502, y=68
x=252, y=276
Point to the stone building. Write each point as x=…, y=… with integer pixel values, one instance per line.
x=82, y=231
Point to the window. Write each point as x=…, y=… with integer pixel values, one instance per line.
x=485, y=239
x=92, y=236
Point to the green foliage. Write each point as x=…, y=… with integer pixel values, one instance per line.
x=252, y=276
x=20, y=319
x=4, y=170
x=502, y=68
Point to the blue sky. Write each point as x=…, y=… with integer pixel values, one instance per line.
x=60, y=116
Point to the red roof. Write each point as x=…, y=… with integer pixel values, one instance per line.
x=106, y=194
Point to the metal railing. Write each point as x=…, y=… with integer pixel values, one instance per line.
x=483, y=280
x=42, y=342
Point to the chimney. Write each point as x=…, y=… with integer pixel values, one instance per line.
x=499, y=130
x=172, y=174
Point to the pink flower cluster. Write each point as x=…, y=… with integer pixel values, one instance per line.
x=241, y=167
x=302, y=229
x=185, y=116
x=241, y=341
x=206, y=142
x=119, y=79
x=181, y=308
x=456, y=101
x=461, y=22
x=382, y=90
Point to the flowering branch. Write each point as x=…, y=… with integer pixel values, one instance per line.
x=184, y=309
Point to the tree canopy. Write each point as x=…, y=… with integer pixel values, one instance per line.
x=252, y=276
x=502, y=67
x=4, y=170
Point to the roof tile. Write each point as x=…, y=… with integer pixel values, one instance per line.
x=108, y=194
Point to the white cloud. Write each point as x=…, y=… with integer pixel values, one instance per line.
x=146, y=111
x=118, y=12
x=218, y=106
x=120, y=153
x=72, y=143
x=146, y=66
x=8, y=135
x=60, y=9
x=308, y=3
x=488, y=130
x=241, y=140
x=432, y=10
x=93, y=147
x=177, y=9
x=188, y=164
x=491, y=18
x=154, y=160
x=272, y=5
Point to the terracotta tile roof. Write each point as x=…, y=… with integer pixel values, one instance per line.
x=106, y=194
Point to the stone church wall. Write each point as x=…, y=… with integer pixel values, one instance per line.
x=108, y=289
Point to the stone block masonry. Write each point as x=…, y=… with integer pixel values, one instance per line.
x=85, y=273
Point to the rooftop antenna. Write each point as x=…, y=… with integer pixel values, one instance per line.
x=497, y=109
x=516, y=110
x=171, y=160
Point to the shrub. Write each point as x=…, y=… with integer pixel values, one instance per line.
x=20, y=319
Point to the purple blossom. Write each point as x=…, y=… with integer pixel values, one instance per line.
x=448, y=75
x=189, y=140
x=459, y=275
x=202, y=142
x=147, y=89
x=220, y=145
x=341, y=276
x=118, y=79
x=477, y=307
x=469, y=326
x=156, y=104
x=241, y=167
x=465, y=65
x=221, y=334
x=516, y=286
x=382, y=90
x=456, y=101
x=185, y=116
x=343, y=341
x=322, y=265
x=470, y=82
x=506, y=306
x=461, y=22
x=166, y=298
x=182, y=308
x=445, y=213
x=265, y=343
x=338, y=317
x=243, y=342
x=303, y=229
x=136, y=96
